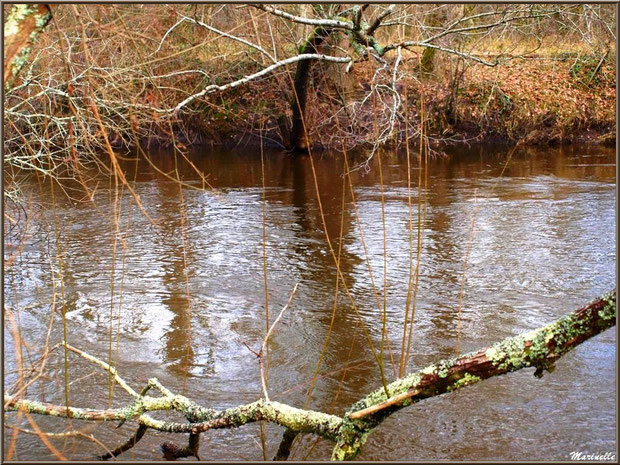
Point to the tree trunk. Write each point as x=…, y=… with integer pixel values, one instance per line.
x=298, y=137
x=21, y=29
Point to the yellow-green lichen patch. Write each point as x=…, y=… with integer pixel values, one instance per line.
x=19, y=61
x=18, y=14
x=608, y=312
x=395, y=388
x=41, y=20
x=443, y=368
x=429, y=370
x=350, y=441
x=495, y=355
x=466, y=380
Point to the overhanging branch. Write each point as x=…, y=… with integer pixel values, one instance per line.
x=330, y=23
x=263, y=72
x=540, y=348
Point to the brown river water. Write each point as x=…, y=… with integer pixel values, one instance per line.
x=183, y=295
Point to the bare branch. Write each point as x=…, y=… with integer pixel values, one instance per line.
x=230, y=36
x=412, y=43
x=263, y=72
x=132, y=441
x=106, y=367
x=332, y=23
x=263, y=349
x=379, y=19
x=503, y=20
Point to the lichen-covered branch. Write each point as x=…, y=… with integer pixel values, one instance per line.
x=329, y=23
x=202, y=419
x=263, y=72
x=539, y=349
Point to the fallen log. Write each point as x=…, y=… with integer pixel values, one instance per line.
x=540, y=349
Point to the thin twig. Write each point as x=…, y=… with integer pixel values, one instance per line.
x=266, y=340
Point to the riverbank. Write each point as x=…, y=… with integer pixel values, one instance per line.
x=564, y=92
x=540, y=100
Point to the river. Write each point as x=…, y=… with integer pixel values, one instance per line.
x=181, y=296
